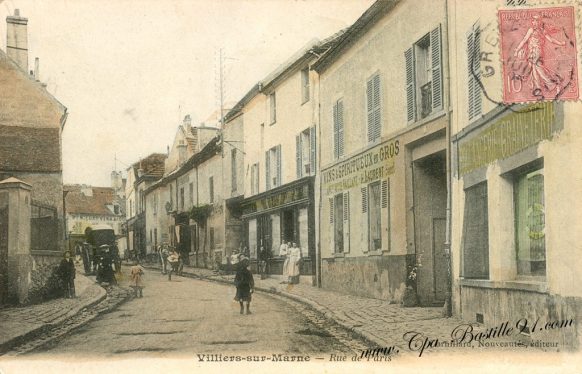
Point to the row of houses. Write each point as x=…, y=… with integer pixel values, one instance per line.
x=393, y=155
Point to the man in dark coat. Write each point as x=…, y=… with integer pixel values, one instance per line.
x=67, y=274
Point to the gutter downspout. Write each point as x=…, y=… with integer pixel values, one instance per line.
x=448, y=307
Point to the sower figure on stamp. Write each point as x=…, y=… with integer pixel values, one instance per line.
x=136, y=273
x=67, y=274
x=245, y=285
x=531, y=47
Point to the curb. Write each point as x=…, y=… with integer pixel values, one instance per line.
x=21, y=339
x=324, y=311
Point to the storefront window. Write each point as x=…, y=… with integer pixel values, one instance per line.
x=530, y=241
x=374, y=220
x=276, y=231
x=303, y=231
x=476, y=233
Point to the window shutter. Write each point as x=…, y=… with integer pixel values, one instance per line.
x=364, y=199
x=346, y=223
x=437, y=80
x=410, y=86
x=268, y=170
x=331, y=210
x=298, y=154
x=279, y=180
x=312, y=149
x=340, y=131
x=335, y=131
x=474, y=71
x=384, y=194
x=370, y=104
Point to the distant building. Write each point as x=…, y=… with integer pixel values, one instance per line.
x=88, y=206
x=139, y=177
x=31, y=124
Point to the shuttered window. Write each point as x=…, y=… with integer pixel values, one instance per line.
x=273, y=108
x=339, y=219
x=474, y=100
x=424, y=77
x=268, y=170
x=305, y=85
x=373, y=108
x=374, y=217
x=476, y=233
x=305, y=152
x=338, y=129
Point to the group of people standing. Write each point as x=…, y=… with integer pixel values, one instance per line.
x=291, y=267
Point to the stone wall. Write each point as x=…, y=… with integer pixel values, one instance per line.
x=380, y=277
x=498, y=305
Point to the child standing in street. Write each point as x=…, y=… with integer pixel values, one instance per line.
x=136, y=273
x=245, y=284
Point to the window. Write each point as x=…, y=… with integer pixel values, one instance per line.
x=374, y=219
x=338, y=129
x=339, y=214
x=424, y=84
x=530, y=241
x=474, y=72
x=155, y=203
x=476, y=233
x=373, y=108
x=305, y=85
x=273, y=108
x=191, y=192
x=182, y=198
x=273, y=167
x=211, y=190
x=255, y=178
x=116, y=209
x=233, y=169
x=171, y=195
x=305, y=152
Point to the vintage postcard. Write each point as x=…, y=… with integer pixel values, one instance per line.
x=282, y=186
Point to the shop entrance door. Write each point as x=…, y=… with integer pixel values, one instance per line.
x=288, y=226
x=430, y=198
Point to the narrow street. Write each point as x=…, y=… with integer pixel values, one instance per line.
x=186, y=317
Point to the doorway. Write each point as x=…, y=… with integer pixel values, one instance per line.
x=288, y=227
x=430, y=199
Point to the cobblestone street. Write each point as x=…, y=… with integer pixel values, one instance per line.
x=186, y=317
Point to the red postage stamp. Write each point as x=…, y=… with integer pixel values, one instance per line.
x=538, y=53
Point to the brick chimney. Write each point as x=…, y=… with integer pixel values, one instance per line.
x=17, y=39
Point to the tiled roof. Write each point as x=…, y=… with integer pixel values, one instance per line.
x=76, y=202
x=152, y=165
x=30, y=149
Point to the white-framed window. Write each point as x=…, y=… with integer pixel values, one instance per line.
x=476, y=233
x=375, y=205
x=255, y=178
x=273, y=167
x=530, y=240
x=305, y=152
x=373, y=106
x=474, y=99
x=304, y=85
x=272, y=108
x=424, y=81
x=338, y=129
x=339, y=219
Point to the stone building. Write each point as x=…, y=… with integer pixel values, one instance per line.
x=383, y=154
x=516, y=174
x=279, y=203
x=31, y=197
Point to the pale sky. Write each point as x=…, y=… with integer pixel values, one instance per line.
x=128, y=71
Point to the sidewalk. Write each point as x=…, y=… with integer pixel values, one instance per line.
x=20, y=324
x=377, y=321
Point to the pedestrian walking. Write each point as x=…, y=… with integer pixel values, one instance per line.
x=164, y=253
x=136, y=272
x=67, y=274
x=244, y=284
x=174, y=261
x=286, y=263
